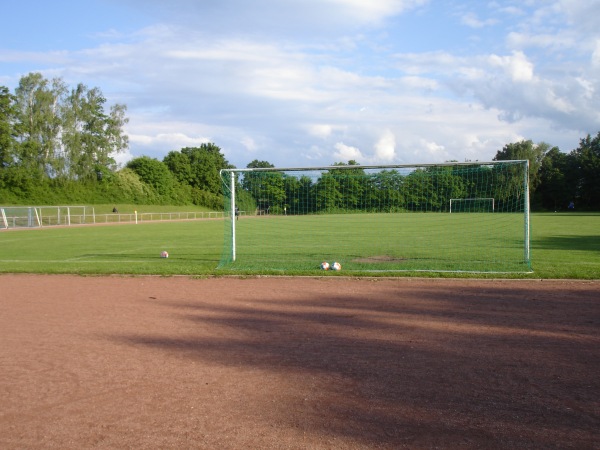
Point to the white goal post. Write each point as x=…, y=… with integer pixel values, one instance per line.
x=476, y=202
x=4, y=220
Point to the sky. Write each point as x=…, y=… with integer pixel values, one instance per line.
x=305, y=83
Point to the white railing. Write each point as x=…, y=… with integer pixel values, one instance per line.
x=153, y=217
x=35, y=217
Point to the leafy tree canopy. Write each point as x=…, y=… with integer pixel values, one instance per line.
x=61, y=133
x=526, y=150
x=201, y=167
x=153, y=172
x=587, y=171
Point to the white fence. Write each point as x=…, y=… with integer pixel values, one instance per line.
x=43, y=216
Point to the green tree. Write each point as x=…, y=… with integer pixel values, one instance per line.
x=327, y=193
x=8, y=127
x=587, y=162
x=267, y=188
x=154, y=173
x=418, y=190
x=386, y=192
x=526, y=150
x=118, y=141
x=251, y=180
x=180, y=166
x=128, y=186
x=477, y=181
x=297, y=195
x=38, y=103
x=446, y=185
x=90, y=136
x=64, y=135
x=352, y=185
x=205, y=163
x=557, y=186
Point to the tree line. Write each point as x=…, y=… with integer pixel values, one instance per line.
x=58, y=143
x=557, y=178
x=348, y=188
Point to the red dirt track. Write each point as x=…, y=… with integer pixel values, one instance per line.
x=300, y=363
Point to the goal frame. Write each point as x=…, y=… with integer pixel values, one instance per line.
x=41, y=216
x=231, y=217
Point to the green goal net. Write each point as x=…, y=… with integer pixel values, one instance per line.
x=453, y=217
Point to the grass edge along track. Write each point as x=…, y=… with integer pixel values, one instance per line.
x=563, y=245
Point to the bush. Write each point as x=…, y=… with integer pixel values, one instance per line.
x=208, y=199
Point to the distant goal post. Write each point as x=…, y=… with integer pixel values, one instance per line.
x=472, y=205
x=378, y=218
x=40, y=216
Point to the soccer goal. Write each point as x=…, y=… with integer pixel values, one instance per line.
x=378, y=218
x=472, y=205
x=39, y=216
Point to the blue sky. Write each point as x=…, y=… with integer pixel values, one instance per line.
x=313, y=82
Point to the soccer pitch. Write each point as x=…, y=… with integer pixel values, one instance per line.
x=476, y=242
x=194, y=247
x=563, y=245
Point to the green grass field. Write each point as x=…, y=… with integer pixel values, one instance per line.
x=562, y=246
x=383, y=242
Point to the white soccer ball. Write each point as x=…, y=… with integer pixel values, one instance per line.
x=325, y=265
x=336, y=266
x=164, y=254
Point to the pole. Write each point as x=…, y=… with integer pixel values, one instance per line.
x=527, y=224
x=4, y=221
x=232, y=216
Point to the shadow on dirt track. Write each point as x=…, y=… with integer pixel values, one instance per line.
x=511, y=366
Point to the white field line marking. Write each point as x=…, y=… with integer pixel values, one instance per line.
x=98, y=255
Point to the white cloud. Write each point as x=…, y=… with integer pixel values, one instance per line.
x=471, y=20
x=432, y=149
x=426, y=62
x=424, y=83
x=50, y=58
x=172, y=141
x=249, y=144
x=302, y=18
x=510, y=10
x=312, y=80
x=581, y=14
x=271, y=89
x=374, y=11
x=122, y=158
x=345, y=153
x=385, y=147
x=320, y=130
x=516, y=66
x=595, y=58
x=517, y=40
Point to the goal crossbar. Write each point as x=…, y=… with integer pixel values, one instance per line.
x=377, y=167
